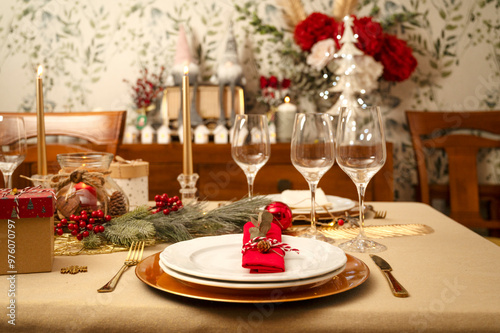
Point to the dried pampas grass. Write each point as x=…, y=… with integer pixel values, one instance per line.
x=293, y=11
x=343, y=8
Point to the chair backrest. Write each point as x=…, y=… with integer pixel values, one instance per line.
x=456, y=133
x=101, y=131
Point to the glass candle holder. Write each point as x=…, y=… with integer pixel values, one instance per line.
x=89, y=185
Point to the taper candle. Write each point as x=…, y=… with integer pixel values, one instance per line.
x=164, y=107
x=242, y=101
x=187, y=153
x=41, y=149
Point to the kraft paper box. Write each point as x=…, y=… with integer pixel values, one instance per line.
x=132, y=177
x=26, y=231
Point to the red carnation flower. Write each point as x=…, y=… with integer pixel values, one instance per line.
x=273, y=82
x=263, y=82
x=285, y=83
x=370, y=35
x=314, y=28
x=397, y=59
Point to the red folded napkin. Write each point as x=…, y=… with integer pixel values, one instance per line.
x=269, y=262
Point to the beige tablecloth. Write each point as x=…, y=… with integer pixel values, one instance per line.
x=453, y=276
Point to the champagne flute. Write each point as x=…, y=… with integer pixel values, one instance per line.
x=13, y=146
x=313, y=154
x=250, y=146
x=361, y=153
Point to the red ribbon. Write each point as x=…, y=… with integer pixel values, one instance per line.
x=252, y=244
x=37, y=189
x=27, y=190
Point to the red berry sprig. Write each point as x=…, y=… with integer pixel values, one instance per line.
x=81, y=225
x=167, y=205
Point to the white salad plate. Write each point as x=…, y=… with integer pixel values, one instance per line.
x=336, y=204
x=220, y=258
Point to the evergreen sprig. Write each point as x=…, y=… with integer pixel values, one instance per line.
x=191, y=221
x=92, y=242
x=130, y=227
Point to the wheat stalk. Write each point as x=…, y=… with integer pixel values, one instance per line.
x=293, y=11
x=343, y=8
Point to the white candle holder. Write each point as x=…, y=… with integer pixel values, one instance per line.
x=188, y=187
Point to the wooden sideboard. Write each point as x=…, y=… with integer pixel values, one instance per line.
x=222, y=179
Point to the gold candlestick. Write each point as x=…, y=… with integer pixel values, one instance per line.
x=187, y=152
x=41, y=149
x=164, y=107
x=242, y=101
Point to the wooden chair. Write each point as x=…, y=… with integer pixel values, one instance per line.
x=97, y=131
x=439, y=130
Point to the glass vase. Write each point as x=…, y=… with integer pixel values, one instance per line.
x=84, y=183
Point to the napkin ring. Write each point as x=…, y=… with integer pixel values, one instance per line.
x=264, y=245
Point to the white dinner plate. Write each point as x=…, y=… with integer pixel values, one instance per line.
x=338, y=204
x=220, y=258
x=250, y=285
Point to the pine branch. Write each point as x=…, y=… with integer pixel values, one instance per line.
x=238, y=212
x=129, y=231
x=139, y=213
x=192, y=220
x=92, y=241
x=172, y=232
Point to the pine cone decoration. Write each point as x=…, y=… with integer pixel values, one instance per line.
x=263, y=246
x=117, y=204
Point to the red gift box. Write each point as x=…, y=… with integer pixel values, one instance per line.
x=26, y=230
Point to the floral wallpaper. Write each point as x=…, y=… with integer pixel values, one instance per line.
x=88, y=48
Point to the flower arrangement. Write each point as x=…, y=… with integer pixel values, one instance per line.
x=273, y=91
x=309, y=57
x=320, y=34
x=146, y=89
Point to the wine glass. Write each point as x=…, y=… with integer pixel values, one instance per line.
x=250, y=145
x=361, y=153
x=313, y=154
x=13, y=146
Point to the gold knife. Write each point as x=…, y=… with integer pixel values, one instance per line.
x=397, y=289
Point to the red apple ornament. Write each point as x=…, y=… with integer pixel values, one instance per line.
x=282, y=214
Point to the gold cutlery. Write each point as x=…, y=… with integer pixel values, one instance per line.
x=133, y=258
x=397, y=289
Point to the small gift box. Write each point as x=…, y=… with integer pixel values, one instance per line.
x=132, y=177
x=26, y=230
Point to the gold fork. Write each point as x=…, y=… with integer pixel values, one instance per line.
x=133, y=258
x=380, y=214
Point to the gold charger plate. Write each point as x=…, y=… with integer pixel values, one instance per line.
x=150, y=272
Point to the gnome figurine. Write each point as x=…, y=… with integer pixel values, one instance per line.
x=183, y=58
x=229, y=72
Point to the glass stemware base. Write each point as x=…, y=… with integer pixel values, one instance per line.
x=315, y=234
x=360, y=244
